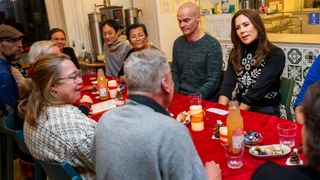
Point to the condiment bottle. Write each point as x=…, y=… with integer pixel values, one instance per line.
x=102, y=85
x=235, y=127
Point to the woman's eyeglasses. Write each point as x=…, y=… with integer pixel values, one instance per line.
x=76, y=75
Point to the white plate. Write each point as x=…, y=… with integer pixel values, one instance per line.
x=184, y=117
x=288, y=163
x=277, y=151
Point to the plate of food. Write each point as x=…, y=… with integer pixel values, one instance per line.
x=252, y=138
x=184, y=117
x=269, y=151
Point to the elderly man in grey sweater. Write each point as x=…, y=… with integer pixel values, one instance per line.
x=140, y=140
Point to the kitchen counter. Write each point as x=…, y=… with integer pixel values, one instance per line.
x=294, y=38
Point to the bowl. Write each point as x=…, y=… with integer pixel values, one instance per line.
x=252, y=138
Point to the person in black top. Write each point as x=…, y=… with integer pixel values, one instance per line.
x=255, y=66
x=310, y=116
x=58, y=36
x=138, y=37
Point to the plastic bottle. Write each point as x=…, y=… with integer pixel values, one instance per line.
x=102, y=85
x=235, y=127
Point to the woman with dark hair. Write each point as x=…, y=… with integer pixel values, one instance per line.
x=138, y=37
x=116, y=47
x=58, y=36
x=255, y=66
x=311, y=145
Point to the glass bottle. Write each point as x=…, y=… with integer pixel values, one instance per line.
x=102, y=85
x=235, y=127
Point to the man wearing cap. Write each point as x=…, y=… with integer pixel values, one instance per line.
x=10, y=47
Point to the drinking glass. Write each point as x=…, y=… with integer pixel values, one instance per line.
x=287, y=133
x=195, y=99
x=234, y=157
x=92, y=74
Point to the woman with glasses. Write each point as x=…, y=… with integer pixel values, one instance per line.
x=40, y=48
x=58, y=36
x=54, y=129
x=138, y=37
x=116, y=47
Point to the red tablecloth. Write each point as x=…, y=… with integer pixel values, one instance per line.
x=209, y=149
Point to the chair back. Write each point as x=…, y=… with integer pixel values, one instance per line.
x=17, y=134
x=59, y=171
x=10, y=128
x=286, y=89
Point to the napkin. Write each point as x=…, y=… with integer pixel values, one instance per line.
x=217, y=111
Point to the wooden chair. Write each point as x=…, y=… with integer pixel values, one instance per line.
x=59, y=171
x=17, y=135
x=286, y=89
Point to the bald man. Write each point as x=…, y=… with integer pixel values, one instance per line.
x=197, y=56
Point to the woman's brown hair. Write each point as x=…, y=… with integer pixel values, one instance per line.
x=264, y=45
x=35, y=93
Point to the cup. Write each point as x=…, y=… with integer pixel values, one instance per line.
x=92, y=74
x=196, y=116
x=234, y=158
x=195, y=99
x=112, y=84
x=223, y=135
x=287, y=133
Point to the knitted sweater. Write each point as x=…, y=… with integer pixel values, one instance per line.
x=63, y=133
x=197, y=65
x=257, y=86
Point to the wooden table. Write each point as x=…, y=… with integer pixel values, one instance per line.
x=85, y=66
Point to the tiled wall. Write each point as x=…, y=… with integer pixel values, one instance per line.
x=299, y=58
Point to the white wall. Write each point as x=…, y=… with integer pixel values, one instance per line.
x=149, y=19
x=168, y=31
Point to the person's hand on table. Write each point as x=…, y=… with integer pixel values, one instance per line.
x=223, y=100
x=244, y=106
x=298, y=112
x=85, y=104
x=213, y=170
x=86, y=98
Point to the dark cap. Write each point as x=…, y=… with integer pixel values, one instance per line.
x=7, y=31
